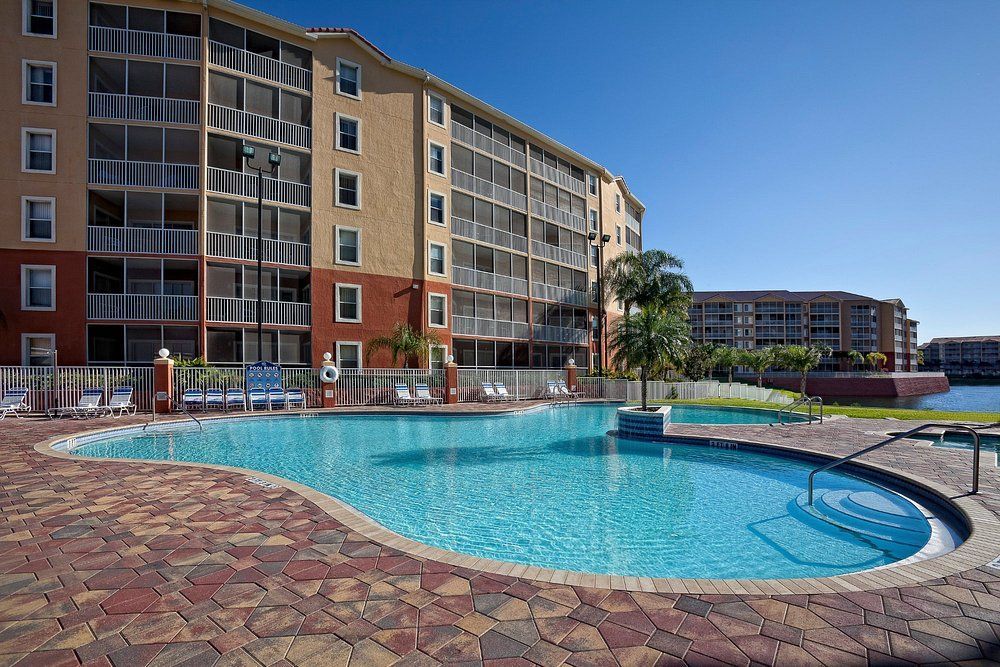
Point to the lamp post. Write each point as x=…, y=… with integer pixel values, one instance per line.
x=273, y=160
x=604, y=240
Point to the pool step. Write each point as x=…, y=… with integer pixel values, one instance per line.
x=879, y=516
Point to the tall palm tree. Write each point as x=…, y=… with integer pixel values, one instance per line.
x=725, y=358
x=802, y=359
x=759, y=359
x=649, y=341
x=405, y=342
x=649, y=278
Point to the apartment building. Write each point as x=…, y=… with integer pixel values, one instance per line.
x=963, y=356
x=145, y=132
x=841, y=320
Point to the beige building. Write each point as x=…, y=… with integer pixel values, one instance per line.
x=144, y=131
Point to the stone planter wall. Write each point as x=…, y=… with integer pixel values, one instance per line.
x=634, y=423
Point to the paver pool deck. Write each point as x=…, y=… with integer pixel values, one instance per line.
x=134, y=563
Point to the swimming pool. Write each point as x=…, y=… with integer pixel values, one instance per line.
x=550, y=488
x=711, y=414
x=956, y=440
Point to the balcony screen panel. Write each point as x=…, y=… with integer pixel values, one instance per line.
x=182, y=82
x=268, y=221
x=151, y=20
x=107, y=142
x=263, y=45
x=224, y=216
x=107, y=75
x=519, y=267
x=293, y=347
x=461, y=158
x=224, y=345
x=461, y=116
x=484, y=259
x=183, y=23
x=106, y=208
x=294, y=226
x=224, y=280
x=517, y=181
x=224, y=153
x=296, y=108
x=105, y=275
x=181, y=340
x=295, y=167
x=145, y=144
x=181, y=146
x=144, y=209
x=142, y=343
x=294, y=55
x=484, y=306
x=463, y=303
x=501, y=218
x=293, y=286
x=180, y=277
x=106, y=343
x=224, y=90
x=145, y=78
x=180, y=211
x=143, y=276
x=261, y=99
x=484, y=213
x=226, y=33
x=463, y=254
x=462, y=205
x=107, y=16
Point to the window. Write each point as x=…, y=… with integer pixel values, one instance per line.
x=435, y=110
x=618, y=234
x=594, y=257
x=39, y=218
x=435, y=204
x=618, y=203
x=348, y=303
x=37, y=349
x=348, y=134
x=438, y=356
x=348, y=189
x=436, y=259
x=40, y=18
x=348, y=78
x=436, y=159
x=593, y=220
x=348, y=355
x=437, y=310
x=348, y=245
x=592, y=183
x=38, y=287
x=39, y=83
x=39, y=149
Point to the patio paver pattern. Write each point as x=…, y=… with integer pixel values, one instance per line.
x=109, y=563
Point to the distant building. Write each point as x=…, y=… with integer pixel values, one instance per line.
x=841, y=320
x=963, y=356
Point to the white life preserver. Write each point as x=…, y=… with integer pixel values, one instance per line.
x=329, y=374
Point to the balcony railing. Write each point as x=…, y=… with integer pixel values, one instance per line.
x=237, y=183
x=474, y=230
x=476, y=326
x=244, y=311
x=560, y=294
x=143, y=108
x=144, y=43
x=142, y=174
x=632, y=223
x=235, y=246
x=491, y=281
x=484, y=188
x=256, y=125
x=558, y=216
x=557, y=254
x=559, y=334
x=260, y=66
x=479, y=140
x=560, y=178
x=142, y=307
x=152, y=240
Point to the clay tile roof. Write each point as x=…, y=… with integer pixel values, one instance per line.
x=966, y=339
x=353, y=33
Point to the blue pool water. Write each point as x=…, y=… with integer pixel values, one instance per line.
x=988, y=443
x=706, y=414
x=551, y=488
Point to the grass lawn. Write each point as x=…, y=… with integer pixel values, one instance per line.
x=854, y=411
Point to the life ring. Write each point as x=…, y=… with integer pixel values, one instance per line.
x=329, y=374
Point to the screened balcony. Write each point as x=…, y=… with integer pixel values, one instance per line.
x=229, y=174
x=139, y=31
x=232, y=233
x=151, y=157
x=144, y=91
x=142, y=222
x=137, y=288
x=232, y=295
x=264, y=112
x=259, y=55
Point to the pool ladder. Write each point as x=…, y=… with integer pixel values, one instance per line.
x=803, y=400
x=180, y=407
x=900, y=436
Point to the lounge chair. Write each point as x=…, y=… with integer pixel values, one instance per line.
x=489, y=392
x=193, y=399
x=235, y=398
x=258, y=399
x=214, y=399
x=276, y=397
x=403, y=396
x=552, y=391
x=565, y=391
x=295, y=398
x=502, y=392
x=89, y=405
x=121, y=402
x=424, y=394
x=14, y=401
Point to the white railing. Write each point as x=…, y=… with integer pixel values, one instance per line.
x=606, y=388
x=234, y=377
x=63, y=386
x=142, y=307
x=477, y=326
x=484, y=188
x=522, y=384
x=479, y=232
x=152, y=240
x=558, y=216
x=144, y=43
x=561, y=294
x=559, y=334
x=237, y=183
x=235, y=246
x=557, y=254
x=260, y=66
x=142, y=174
x=658, y=391
x=143, y=108
x=256, y=125
x=490, y=281
x=376, y=386
x=479, y=140
x=632, y=223
x=244, y=311
x=560, y=178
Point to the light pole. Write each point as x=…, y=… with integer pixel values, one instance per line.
x=604, y=239
x=273, y=160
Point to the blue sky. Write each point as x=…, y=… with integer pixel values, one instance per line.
x=776, y=145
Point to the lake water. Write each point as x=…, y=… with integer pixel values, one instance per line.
x=977, y=396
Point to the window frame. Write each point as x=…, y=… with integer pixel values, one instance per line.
x=336, y=192
x=345, y=61
x=618, y=203
x=430, y=323
x=350, y=343
x=336, y=304
x=337, y=145
x=26, y=64
x=26, y=14
x=444, y=158
x=26, y=350
x=444, y=208
x=444, y=110
x=444, y=259
x=618, y=234
x=26, y=200
x=593, y=220
x=25, y=132
x=336, y=245
x=25, y=288
x=430, y=354
x=592, y=188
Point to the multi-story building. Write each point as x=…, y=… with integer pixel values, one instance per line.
x=389, y=195
x=840, y=320
x=963, y=356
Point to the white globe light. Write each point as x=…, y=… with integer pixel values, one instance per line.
x=572, y=361
x=164, y=353
x=327, y=356
x=451, y=358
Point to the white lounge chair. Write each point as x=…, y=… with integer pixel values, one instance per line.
x=214, y=399
x=89, y=405
x=424, y=394
x=276, y=398
x=566, y=391
x=235, y=398
x=258, y=399
x=552, y=391
x=14, y=401
x=295, y=398
x=403, y=396
x=502, y=392
x=193, y=399
x=489, y=392
x=121, y=402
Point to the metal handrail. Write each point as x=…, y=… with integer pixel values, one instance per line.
x=802, y=400
x=900, y=436
x=174, y=406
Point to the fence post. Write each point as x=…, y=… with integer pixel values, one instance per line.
x=163, y=381
x=329, y=389
x=450, y=381
x=571, y=374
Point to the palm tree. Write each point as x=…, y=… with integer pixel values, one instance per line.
x=725, y=358
x=759, y=359
x=876, y=360
x=855, y=357
x=802, y=360
x=649, y=340
x=650, y=278
x=405, y=342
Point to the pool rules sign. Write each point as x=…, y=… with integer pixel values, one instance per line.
x=263, y=375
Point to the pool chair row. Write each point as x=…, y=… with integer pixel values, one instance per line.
x=274, y=398
x=421, y=395
x=496, y=391
x=557, y=390
x=91, y=404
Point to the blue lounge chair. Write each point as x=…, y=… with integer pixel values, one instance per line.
x=403, y=396
x=276, y=398
x=295, y=398
x=424, y=394
x=121, y=402
x=14, y=401
x=258, y=399
x=193, y=399
x=214, y=399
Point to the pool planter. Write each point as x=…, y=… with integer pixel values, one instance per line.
x=633, y=422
